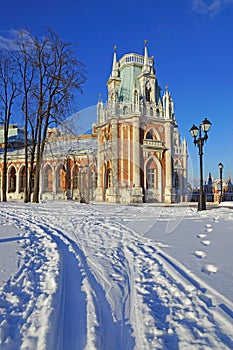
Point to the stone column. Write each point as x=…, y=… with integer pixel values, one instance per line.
x=99, y=190
x=115, y=158
x=136, y=153
x=168, y=155
x=129, y=142
x=137, y=195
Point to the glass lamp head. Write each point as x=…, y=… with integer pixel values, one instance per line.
x=194, y=131
x=205, y=125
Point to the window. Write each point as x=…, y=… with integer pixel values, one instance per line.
x=93, y=180
x=22, y=180
x=75, y=177
x=148, y=91
x=109, y=178
x=135, y=97
x=177, y=182
x=61, y=179
x=149, y=135
x=12, y=180
x=125, y=110
x=48, y=179
x=151, y=177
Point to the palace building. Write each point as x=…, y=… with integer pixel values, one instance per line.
x=140, y=154
x=135, y=153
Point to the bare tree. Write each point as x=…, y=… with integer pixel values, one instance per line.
x=51, y=76
x=9, y=91
x=26, y=74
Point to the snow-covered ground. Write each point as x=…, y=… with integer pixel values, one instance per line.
x=76, y=276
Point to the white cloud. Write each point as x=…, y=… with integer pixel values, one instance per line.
x=8, y=39
x=210, y=8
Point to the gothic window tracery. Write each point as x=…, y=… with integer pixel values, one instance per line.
x=22, y=179
x=151, y=174
x=61, y=179
x=148, y=92
x=48, y=179
x=109, y=178
x=125, y=110
x=149, y=135
x=136, y=97
x=75, y=177
x=177, y=181
x=12, y=180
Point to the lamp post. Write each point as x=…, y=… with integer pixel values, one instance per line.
x=199, y=139
x=220, y=165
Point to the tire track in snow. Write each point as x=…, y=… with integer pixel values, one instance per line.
x=67, y=324
x=113, y=331
x=108, y=332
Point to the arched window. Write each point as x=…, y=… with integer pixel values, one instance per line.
x=61, y=179
x=75, y=177
x=125, y=110
x=151, y=175
x=177, y=181
x=148, y=92
x=112, y=98
x=48, y=179
x=151, y=111
x=149, y=135
x=135, y=97
x=22, y=179
x=12, y=179
x=93, y=179
x=109, y=178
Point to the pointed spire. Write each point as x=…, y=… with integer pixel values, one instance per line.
x=146, y=66
x=100, y=98
x=114, y=65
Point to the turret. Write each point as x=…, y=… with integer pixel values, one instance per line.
x=100, y=111
x=168, y=105
x=113, y=81
x=146, y=65
x=114, y=73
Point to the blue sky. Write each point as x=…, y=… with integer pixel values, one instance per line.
x=192, y=41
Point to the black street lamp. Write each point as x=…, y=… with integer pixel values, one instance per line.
x=199, y=140
x=220, y=165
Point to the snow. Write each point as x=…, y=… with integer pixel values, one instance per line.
x=101, y=276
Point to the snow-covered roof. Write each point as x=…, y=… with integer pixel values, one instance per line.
x=72, y=145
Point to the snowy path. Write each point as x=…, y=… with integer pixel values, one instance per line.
x=86, y=281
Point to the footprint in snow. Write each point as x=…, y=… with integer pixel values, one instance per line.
x=206, y=242
x=209, y=268
x=201, y=235
x=200, y=254
x=208, y=228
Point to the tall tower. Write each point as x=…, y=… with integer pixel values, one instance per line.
x=140, y=155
